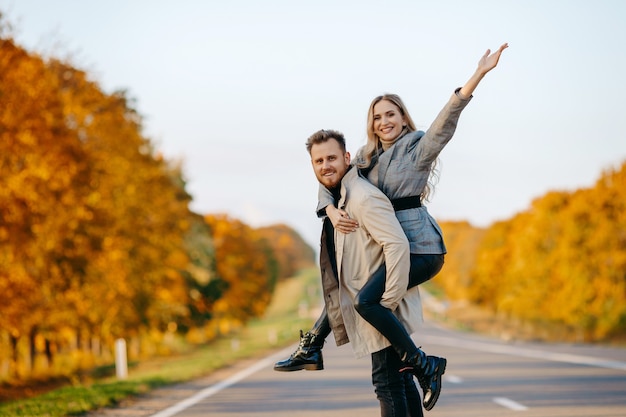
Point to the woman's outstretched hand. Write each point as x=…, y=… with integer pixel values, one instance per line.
x=487, y=63
x=489, y=60
x=341, y=220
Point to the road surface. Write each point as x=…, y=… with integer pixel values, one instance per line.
x=485, y=377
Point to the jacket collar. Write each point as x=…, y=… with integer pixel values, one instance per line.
x=349, y=177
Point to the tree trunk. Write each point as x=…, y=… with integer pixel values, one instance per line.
x=32, y=349
x=14, y=356
x=49, y=356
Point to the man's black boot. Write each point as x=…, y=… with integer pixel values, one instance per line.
x=307, y=356
x=428, y=371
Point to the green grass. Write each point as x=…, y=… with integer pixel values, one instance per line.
x=279, y=327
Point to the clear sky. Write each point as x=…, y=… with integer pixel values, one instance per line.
x=234, y=88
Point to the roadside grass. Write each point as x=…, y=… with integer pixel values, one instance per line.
x=294, y=307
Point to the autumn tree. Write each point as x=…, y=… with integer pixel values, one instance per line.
x=243, y=265
x=462, y=240
x=203, y=284
x=291, y=251
x=140, y=211
x=93, y=220
x=562, y=262
x=45, y=173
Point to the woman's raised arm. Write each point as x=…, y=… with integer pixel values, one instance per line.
x=487, y=63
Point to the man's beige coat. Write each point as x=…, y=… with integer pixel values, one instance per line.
x=379, y=239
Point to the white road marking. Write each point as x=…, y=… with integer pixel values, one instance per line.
x=214, y=389
x=453, y=379
x=528, y=353
x=510, y=404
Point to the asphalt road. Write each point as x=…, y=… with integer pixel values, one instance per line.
x=485, y=377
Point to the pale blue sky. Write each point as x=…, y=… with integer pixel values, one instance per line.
x=234, y=88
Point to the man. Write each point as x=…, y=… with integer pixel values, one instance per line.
x=378, y=241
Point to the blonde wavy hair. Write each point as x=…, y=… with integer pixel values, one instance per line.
x=374, y=145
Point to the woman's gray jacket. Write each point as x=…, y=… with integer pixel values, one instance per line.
x=403, y=171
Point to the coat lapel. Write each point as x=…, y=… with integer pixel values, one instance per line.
x=383, y=165
x=340, y=237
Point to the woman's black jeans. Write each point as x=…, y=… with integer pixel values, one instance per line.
x=367, y=302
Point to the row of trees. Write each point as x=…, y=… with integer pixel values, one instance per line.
x=97, y=240
x=559, y=264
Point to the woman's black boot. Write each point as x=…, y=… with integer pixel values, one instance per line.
x=428, y=371
x=307, y=356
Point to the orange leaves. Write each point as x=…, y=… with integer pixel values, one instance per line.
x=243, y=264
x=462, y=243
x=291, y=251
x=86, y=212
x=96, y=235
x=563, y=261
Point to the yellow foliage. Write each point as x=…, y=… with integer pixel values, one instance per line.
x=92, y=222
x=462, y=240
x=562, y=262
x=244, y=264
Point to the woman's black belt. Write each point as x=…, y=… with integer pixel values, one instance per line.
x=405, y=203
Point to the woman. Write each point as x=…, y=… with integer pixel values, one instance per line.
x=400, y=161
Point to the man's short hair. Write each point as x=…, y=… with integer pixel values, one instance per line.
x=324, y=135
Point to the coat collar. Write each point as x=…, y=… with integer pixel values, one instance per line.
x=349, y=176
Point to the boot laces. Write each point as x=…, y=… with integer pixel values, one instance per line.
x=307, y=339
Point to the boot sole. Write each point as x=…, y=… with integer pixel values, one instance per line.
x=441, y=369
x=306, y=367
